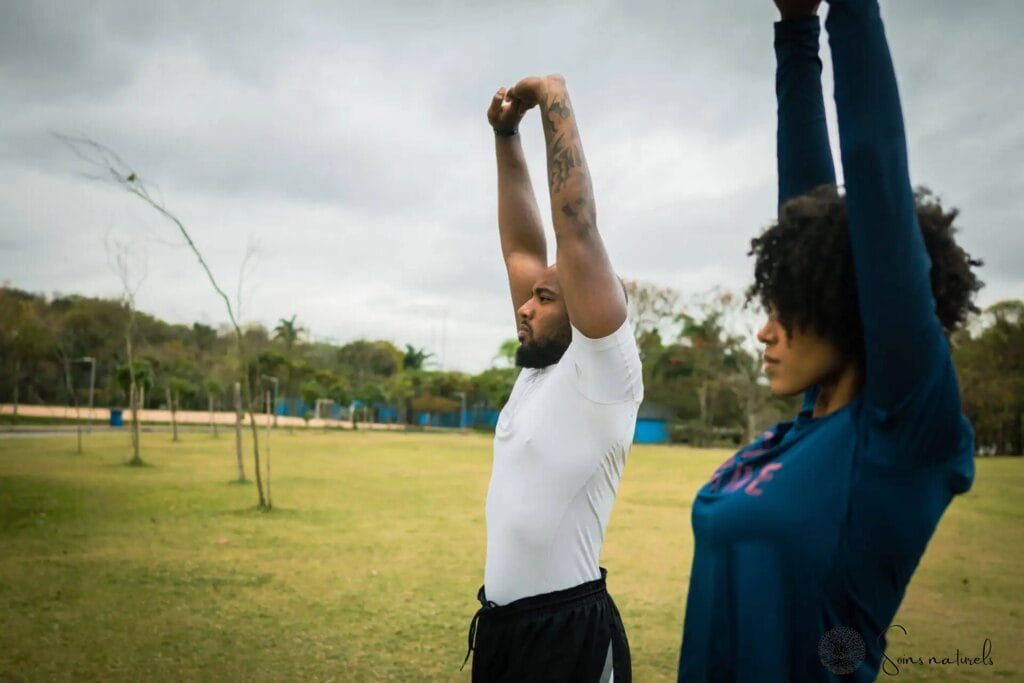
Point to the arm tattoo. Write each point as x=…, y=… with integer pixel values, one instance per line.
x=557, y=108
x=565, y=153
x=581, y=209
x=560, y=108
x=561, y=160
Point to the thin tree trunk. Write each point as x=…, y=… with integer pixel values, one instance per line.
x=78, y=425
x=702, y=400
x=238, y=431
x=702, y=403
x=174, y=420
x=136, y=406
x=140, y=400
x=1020, y=435
x=74, y=398
x=751, y=426
x=131, y=425
x=17, y=383
x=270, y=421
x=213, y=423
x=92, y=391
x=136, y=395
x=255, y=432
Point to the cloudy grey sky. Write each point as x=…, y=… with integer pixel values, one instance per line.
x=347, y=142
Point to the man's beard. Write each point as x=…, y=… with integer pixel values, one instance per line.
x=541, y=354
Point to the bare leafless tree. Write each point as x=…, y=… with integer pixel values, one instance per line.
x=120, y=259
x=238, y=431
x=742, y=374
x=69, y=384
x=113, y=168
x=270, y=424
x=652, y=308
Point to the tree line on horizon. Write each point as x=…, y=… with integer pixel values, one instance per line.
x=701, y=367
x=193, y=367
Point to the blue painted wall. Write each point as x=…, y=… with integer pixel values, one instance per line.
x=650, y=431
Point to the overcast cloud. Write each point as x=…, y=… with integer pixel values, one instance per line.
x=348, y=143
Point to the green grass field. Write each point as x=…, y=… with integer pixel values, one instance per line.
x=368, y=567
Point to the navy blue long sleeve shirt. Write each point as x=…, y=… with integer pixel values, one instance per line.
x=806, y=539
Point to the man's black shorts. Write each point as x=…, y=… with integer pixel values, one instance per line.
x=574, y=634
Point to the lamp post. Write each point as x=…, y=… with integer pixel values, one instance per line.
x=274, y=403
x=462, y=414
x=92, y=383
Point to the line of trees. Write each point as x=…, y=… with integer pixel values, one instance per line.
x=195, y=367
x=989, y=356
x=701, y=362
x=700, y=365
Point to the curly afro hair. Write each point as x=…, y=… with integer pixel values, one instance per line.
x=804, y=268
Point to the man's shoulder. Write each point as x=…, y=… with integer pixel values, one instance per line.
x=606, y=370
x=621, y=338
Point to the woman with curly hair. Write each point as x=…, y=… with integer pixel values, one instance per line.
x=806, y=539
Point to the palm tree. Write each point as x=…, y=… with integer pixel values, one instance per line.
x=415, y=358
x=288, y=332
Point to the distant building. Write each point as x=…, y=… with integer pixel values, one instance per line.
x=652, y=423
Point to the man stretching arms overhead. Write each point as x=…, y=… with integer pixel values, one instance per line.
x=561, y=440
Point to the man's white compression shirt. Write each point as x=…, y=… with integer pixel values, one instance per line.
x=559, y=448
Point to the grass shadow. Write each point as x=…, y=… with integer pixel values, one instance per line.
x=136, y=463
x=255, y=510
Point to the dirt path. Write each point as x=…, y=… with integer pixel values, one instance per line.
x=101, y=416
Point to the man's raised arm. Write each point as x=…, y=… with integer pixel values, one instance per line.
x=592, y=292
x=519, y=223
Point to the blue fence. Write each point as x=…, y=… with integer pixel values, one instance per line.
x=484, y=417
x=647, y=430
x=382, y=412
x=296, y=407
